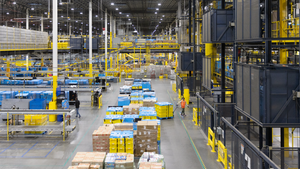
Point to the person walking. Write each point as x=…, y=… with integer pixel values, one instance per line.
x=77, y=105
x=183, y=103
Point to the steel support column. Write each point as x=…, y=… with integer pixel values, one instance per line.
x=54, y=50
x=105, y=41
x=27, y=18
x=90, y=40
x=282, y=146
x=268, y=43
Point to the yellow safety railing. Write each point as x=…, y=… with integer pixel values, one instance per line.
x=195, y=116
x=100, y=101
x=174, y=87
x=179, y=94
x=211, y=140
x=222, y=154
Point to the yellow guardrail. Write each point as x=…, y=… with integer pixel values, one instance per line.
x=222, y=154
x=100, y=101
x=211, y=140
x=174, y=87
x=195, y=116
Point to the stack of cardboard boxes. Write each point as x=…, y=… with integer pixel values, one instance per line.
x=149, y=103
x=132, y=109
x=88, y=160
x=101, y=138
x=146, y=139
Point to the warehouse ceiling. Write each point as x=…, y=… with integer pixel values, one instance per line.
x=144, y=15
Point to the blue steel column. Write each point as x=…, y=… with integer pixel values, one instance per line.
x=223, y=79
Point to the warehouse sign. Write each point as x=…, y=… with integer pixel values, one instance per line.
x=247, y=158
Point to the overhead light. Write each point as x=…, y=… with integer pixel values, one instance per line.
x=129, y=19
x=155, y=12
x=127, y=15
x=107, y=23
x=161, y=19
x=72, y=9
x=159, y=4
x=117, y=9
x=159, y=22
x=14, y=3
x=81, y=13
x=120, y=12
x=157, y=9
x=163, y=16
x=32, y=9
x=62, y=16
x=96, y=16
x=7, y=13
x=45, y=13
x=65, y=25
x=50, y=21
x=60, y=3
x=112, y=3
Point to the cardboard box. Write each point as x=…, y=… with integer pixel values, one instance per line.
x=95, y=167
x=84, y=166
x=124, y=126
x=73, y=167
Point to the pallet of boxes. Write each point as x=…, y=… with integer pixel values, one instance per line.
x=88, y=160
x=101, y=138
x=146, y=138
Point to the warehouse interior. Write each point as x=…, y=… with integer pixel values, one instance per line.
x=149, y=84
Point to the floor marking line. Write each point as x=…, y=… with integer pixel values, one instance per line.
x=29, y=149
x=7, y=148
x=52, y=149
x=191, y=140
x=81, y=140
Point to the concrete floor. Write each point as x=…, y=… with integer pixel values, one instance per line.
x=182, y=143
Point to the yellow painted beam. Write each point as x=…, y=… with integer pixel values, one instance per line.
x=282, y=16
x=210, y=52
x=286, y=141
x=283, y=54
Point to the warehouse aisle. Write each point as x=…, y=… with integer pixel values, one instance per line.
x=181, y=139
x=53, y=153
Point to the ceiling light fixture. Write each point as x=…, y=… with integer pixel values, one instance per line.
x=45, y=13
x=127, y=15
x=7, y=13
x=155, y=12
x=157, y=9
x=117, y=9
x=32, y=9
x=14, y=3
x=112, y=3
x=72, y=9
x=163, y=16
x=159, y=4
x=129, y=19
x=81, y=13
x=120, y=12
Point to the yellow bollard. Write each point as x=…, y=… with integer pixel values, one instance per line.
x=186, y=96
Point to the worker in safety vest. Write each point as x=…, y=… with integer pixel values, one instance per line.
x=183, y=103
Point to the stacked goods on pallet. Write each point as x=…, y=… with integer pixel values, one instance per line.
x=148, y=115
x=138, y=100
x=89, y=160
x=113, y=119
x=6, y=95
x=119, y=161
x=114, y=111
x=124, y=126
x=146, y=139
x=152, y=161
x=36, y=94
x=121, y=142
x=158, y=129
x=101, y=138
x=129, y=118
x=164, y=110
x=37, y=104
x=123, y=100
x=137, y=86
x=125, y=90
x=146, y=85
x=35, y=120
x=128, y=83
x=136, y=95
x=132, y=109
